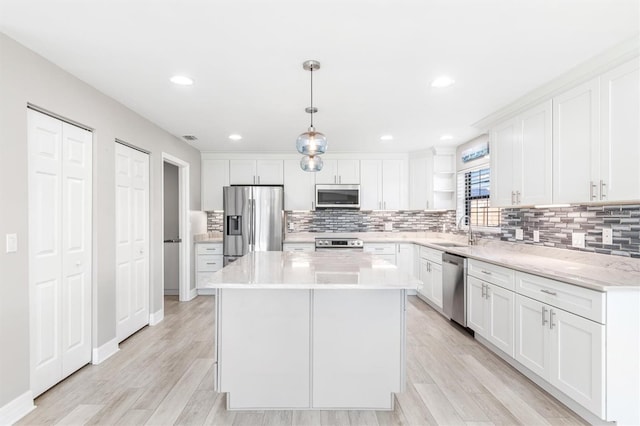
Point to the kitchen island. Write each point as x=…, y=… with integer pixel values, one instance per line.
x=310, y=331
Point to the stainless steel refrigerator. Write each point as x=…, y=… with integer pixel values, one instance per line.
x=253, y=220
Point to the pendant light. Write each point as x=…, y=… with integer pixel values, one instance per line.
x=311, y=143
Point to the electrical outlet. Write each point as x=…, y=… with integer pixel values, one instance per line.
x=607, y=236
x=388, y=226
x=291, y=226
x=12, y=243
x=519, y=234
x=577, y=239
x=536, y=236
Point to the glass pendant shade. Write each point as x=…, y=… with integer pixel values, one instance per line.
x=311, y=143
x=311, y=163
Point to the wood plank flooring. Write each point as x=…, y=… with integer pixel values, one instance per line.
x=163, y=375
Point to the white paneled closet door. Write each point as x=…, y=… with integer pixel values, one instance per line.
x=60, y=194
x=132, y=240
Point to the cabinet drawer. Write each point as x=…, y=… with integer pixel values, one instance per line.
x=494, y=274
x=577, y=300
x=380, y=248
x=209, y=248
x=203, y=279
x=298, y=247
x=209, y=263
x=433, y=255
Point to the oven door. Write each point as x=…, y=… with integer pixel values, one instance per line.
x=338, y=196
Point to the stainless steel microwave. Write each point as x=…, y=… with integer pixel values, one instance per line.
x=338, y=196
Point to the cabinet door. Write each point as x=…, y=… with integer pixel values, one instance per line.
x=269, y=172
x=299, y=187
x=371, y=185
x=503, y=147
x=436, y=284
x=349, y=171
x=500, y=308
x=620, y=137
x=533, y=179
x=418, y=184
x=215, y=176
x=575, y=143
x=404, y=258
x=532, y=336
x=392, y=185
x=242, y=172
x=329, y=172
x=577, y=359
x=425, y=277
x=476, y=312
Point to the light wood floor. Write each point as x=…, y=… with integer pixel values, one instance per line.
x=164, y=375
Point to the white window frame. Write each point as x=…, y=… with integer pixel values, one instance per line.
x=460, y=192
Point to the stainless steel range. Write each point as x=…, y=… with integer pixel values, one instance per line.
x=339, y=244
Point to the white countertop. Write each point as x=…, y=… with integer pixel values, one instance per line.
x=312, y=270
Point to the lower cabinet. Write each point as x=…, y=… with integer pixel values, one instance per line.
x=490, y=313
x=384, y=251
x=564, y=349
x=209, y=259
x=300, y=247
x=431, y=275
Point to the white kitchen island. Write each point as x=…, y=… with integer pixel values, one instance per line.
x=310, y=331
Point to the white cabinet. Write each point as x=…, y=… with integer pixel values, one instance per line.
x=386, y=251
x=431, y=276
x=214, y=176
x=209, y=259
x=564, y=349
x=299, y=247
x=404, y=258
x=620, y=133
x=432, y=180
x=299, y=187
x=256, y=172
x=339, y=171
x=419, y=193
x=521, y=159
x=383, y=185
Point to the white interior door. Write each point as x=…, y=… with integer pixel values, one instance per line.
x=132, y=240
x=60, y=162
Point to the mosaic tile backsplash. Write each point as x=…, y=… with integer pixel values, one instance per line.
x=554, y=224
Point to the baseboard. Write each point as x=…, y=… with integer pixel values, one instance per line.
x=171, y=292
x=14, y=410
x=105, y=351
x=412, y=293
x=156, y=318
x=193, y=293
x=206, y=292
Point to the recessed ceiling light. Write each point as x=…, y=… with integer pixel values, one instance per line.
x=235, y=137
x=386, y=138
x=446, y=137
x=443, y=81
x=181, y=80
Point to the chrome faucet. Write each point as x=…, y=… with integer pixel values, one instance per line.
x=471, y=240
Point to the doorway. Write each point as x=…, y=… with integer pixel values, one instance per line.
x=175, y=217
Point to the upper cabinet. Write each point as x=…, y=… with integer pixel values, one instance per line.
x=596, y=135
x=256, y=172
x=339, y=171
x=215, y=176
x=299, y=187
x=432, y=180
x=383, y=185
x=521, y=150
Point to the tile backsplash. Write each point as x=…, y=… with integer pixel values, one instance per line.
x=555, y=225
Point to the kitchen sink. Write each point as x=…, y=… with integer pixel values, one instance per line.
x=447, y=244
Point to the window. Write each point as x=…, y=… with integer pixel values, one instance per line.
x=473, y=199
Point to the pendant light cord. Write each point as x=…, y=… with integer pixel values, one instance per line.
x=311, y=95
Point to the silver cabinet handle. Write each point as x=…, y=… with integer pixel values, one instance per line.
x=313, y=205
x=211, y=263
x=339, y=179
x=485, y=272
x=427, y=203
x=544, y=316
x=513, y=194
x=602, y=194
x=592, y=186
x=384, y=205
x=551, y=323
x=483, y=290
x=379, y=248
x=258, y=177
x=517, y=197
x=549, y=292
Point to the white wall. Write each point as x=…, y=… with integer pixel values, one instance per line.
x=25, y=78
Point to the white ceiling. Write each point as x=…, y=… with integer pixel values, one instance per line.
x=378, y=58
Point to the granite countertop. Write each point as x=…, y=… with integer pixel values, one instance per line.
x=593, y=271
x=209, y=237
x=312, y=270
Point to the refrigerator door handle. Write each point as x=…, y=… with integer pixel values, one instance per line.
x=251, y=224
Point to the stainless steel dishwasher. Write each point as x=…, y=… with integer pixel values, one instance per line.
x=454, y=283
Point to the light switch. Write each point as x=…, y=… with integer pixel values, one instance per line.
x=519, y=234
x=607, y=236
x=12, y=243
x=577, y=239
x=536, y=236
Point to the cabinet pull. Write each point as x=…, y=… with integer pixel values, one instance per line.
x=483, y=290
x=517, y=197
x=313, y=205
x=513, y=194
x=485, y=272
x=602, y=194
x=553, y=293
x=544, y=316
x=211, y=263
x=339, y=179
x=384, y=204
x=258, y=180
x=487, y=294
x=592, y=186
x=551, y=323
x=379, y=248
